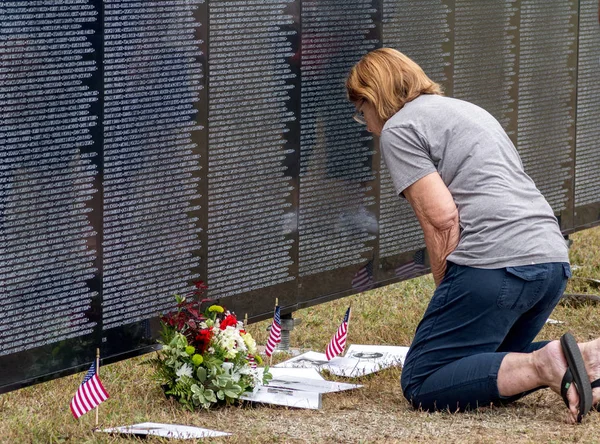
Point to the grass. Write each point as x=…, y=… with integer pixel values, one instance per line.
x=375, y=413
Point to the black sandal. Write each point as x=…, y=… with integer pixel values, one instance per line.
x=577, y=374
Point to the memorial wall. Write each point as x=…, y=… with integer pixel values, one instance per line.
x=146, y=145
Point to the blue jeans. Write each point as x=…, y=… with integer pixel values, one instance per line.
x=475, y=317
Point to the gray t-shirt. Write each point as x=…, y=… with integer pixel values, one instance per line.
x=504, y=219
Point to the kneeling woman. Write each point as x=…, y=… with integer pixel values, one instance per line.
x=498, y=257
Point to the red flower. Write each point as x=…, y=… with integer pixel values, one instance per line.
x=230, y=320
x=202, y=339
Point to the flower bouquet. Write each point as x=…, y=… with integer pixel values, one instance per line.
x=207, y=358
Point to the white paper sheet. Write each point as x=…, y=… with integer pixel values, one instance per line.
x=371, y=359
x=337, y=366
x=284, y=397
x=308, y=373
x=309, y=384
x=174, y=431
x=388, y=355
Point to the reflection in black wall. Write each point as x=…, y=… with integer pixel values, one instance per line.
x=338, y=211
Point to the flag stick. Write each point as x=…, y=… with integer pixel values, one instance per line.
x=348, y=324
x=98, y=373
x=245, y=321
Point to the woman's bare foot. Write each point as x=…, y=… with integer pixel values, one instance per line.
x=551, y=367
x=591, y=355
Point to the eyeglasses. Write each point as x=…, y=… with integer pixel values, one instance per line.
x=359, y=116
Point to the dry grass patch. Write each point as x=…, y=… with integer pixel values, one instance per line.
x=375, y=413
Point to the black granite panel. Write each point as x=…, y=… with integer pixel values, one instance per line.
x=253, y=153
x=50, y=205
x=486, y=49
x=546, y=100
x=153, y=78
x=424, y=31
x=338, y=203
x=587, y=147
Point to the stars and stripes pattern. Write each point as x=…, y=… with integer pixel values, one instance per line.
x=412, y=269
x=275, y=333
x=338, y=342
x=251, y=361
x=363, y=279
x=89, y=394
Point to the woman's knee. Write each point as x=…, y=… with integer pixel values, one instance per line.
x=409, y=388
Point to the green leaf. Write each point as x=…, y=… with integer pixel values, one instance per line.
x=231, y=394
x=221, y=395
x=209, y=395
x=222, y=380
x=201, y=374
x=266, y=376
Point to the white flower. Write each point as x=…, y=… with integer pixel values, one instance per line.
x=227, y=366
x=232, y=342
x=184, y=370
x=211, y=350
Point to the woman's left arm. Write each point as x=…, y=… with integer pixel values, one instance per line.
x=437, y=213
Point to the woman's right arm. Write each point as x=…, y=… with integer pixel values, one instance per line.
x=437, y=213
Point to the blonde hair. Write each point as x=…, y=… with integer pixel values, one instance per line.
x=388, y=79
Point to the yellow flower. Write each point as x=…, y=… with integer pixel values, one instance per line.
x=190, y=350
x=250, y=343
x=216, y=308
x=197, y=359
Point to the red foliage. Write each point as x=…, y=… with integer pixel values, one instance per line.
x=187, y=318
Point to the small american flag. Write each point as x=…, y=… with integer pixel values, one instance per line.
x=89, y=394
x=251, y=361
x=275, y=333
x=363, y=279
x=338, y=342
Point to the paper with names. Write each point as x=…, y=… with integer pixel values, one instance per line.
x=173, y=431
